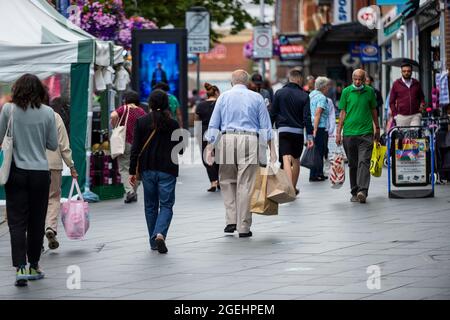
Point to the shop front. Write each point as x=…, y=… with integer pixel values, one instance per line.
x=427, y=20
x=330, y=51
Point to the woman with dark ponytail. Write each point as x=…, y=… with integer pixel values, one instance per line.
x=151, y=158
x=203, y=113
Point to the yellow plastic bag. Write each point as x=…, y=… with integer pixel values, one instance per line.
x=376, y=162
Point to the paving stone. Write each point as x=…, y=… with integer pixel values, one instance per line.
x=315, y=248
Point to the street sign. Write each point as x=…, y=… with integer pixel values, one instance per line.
x=262, y=42
x=198, y=27
x=342, y=11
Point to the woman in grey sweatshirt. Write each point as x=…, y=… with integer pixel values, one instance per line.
x=27, y=189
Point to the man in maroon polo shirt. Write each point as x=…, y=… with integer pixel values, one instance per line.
x=407, y=100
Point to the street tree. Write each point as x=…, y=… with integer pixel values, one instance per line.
x=172, y=12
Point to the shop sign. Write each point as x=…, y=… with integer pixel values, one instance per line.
x=370, y=53
x=370, y=17
x=292, y=52
x=393, y=27
x=286, y=39
x=390, y=2
x=343, y=11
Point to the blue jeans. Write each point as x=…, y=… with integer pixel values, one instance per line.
x=159, y=198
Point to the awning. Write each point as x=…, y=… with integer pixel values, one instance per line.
x=335, y=39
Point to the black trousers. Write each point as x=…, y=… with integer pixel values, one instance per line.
x=359, y=151
x=213, y=171
x=26, y=205
x=319, y=142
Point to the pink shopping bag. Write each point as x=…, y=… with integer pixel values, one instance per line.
x=75, y=215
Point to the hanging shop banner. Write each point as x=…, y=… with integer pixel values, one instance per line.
x=370, y=53
x=343, y=11
x=411, y=162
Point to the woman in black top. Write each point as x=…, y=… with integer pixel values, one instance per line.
x=203, y=113
x=151, y=157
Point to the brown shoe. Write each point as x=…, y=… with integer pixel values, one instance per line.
x=361, y=197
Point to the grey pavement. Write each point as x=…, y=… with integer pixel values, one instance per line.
x=319, y=247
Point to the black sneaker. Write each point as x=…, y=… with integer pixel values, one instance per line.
x=245, y=235
x=230, y=228
x=161, y=245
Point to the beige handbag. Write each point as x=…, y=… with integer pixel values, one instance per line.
x=118, y=136
x=6, y=152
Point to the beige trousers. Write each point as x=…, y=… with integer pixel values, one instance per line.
x=54, y=200
x=238, y=159
x=124, y=167
x=408, y=121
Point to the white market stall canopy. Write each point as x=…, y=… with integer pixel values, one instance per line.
x=35, y=38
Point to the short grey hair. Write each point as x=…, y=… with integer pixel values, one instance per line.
x=361, y=72
x=240, y=77
x=321, y=82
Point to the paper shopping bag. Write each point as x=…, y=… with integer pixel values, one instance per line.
x=279, y=186
x=259, y=203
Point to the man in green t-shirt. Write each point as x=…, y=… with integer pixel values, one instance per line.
x=358, y=117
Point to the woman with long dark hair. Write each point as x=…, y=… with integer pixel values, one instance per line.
x=27, y=189
x=203, y=113
x=151, y=158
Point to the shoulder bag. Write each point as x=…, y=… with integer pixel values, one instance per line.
x=118, y=136
x=6, y=152
x=138, y=175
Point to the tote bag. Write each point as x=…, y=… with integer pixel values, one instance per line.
x=6, y=152
x=75, y=215
x=118, y=136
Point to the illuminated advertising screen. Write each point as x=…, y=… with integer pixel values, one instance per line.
x=159, y=63
x=160, y=55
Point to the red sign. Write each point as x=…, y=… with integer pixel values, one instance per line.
x=292, y=52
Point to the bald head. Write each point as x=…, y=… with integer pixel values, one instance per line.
x=240, y=77
x=359, y=77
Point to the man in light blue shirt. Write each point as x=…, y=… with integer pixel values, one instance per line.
x=319, y=115
x=240, y=122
